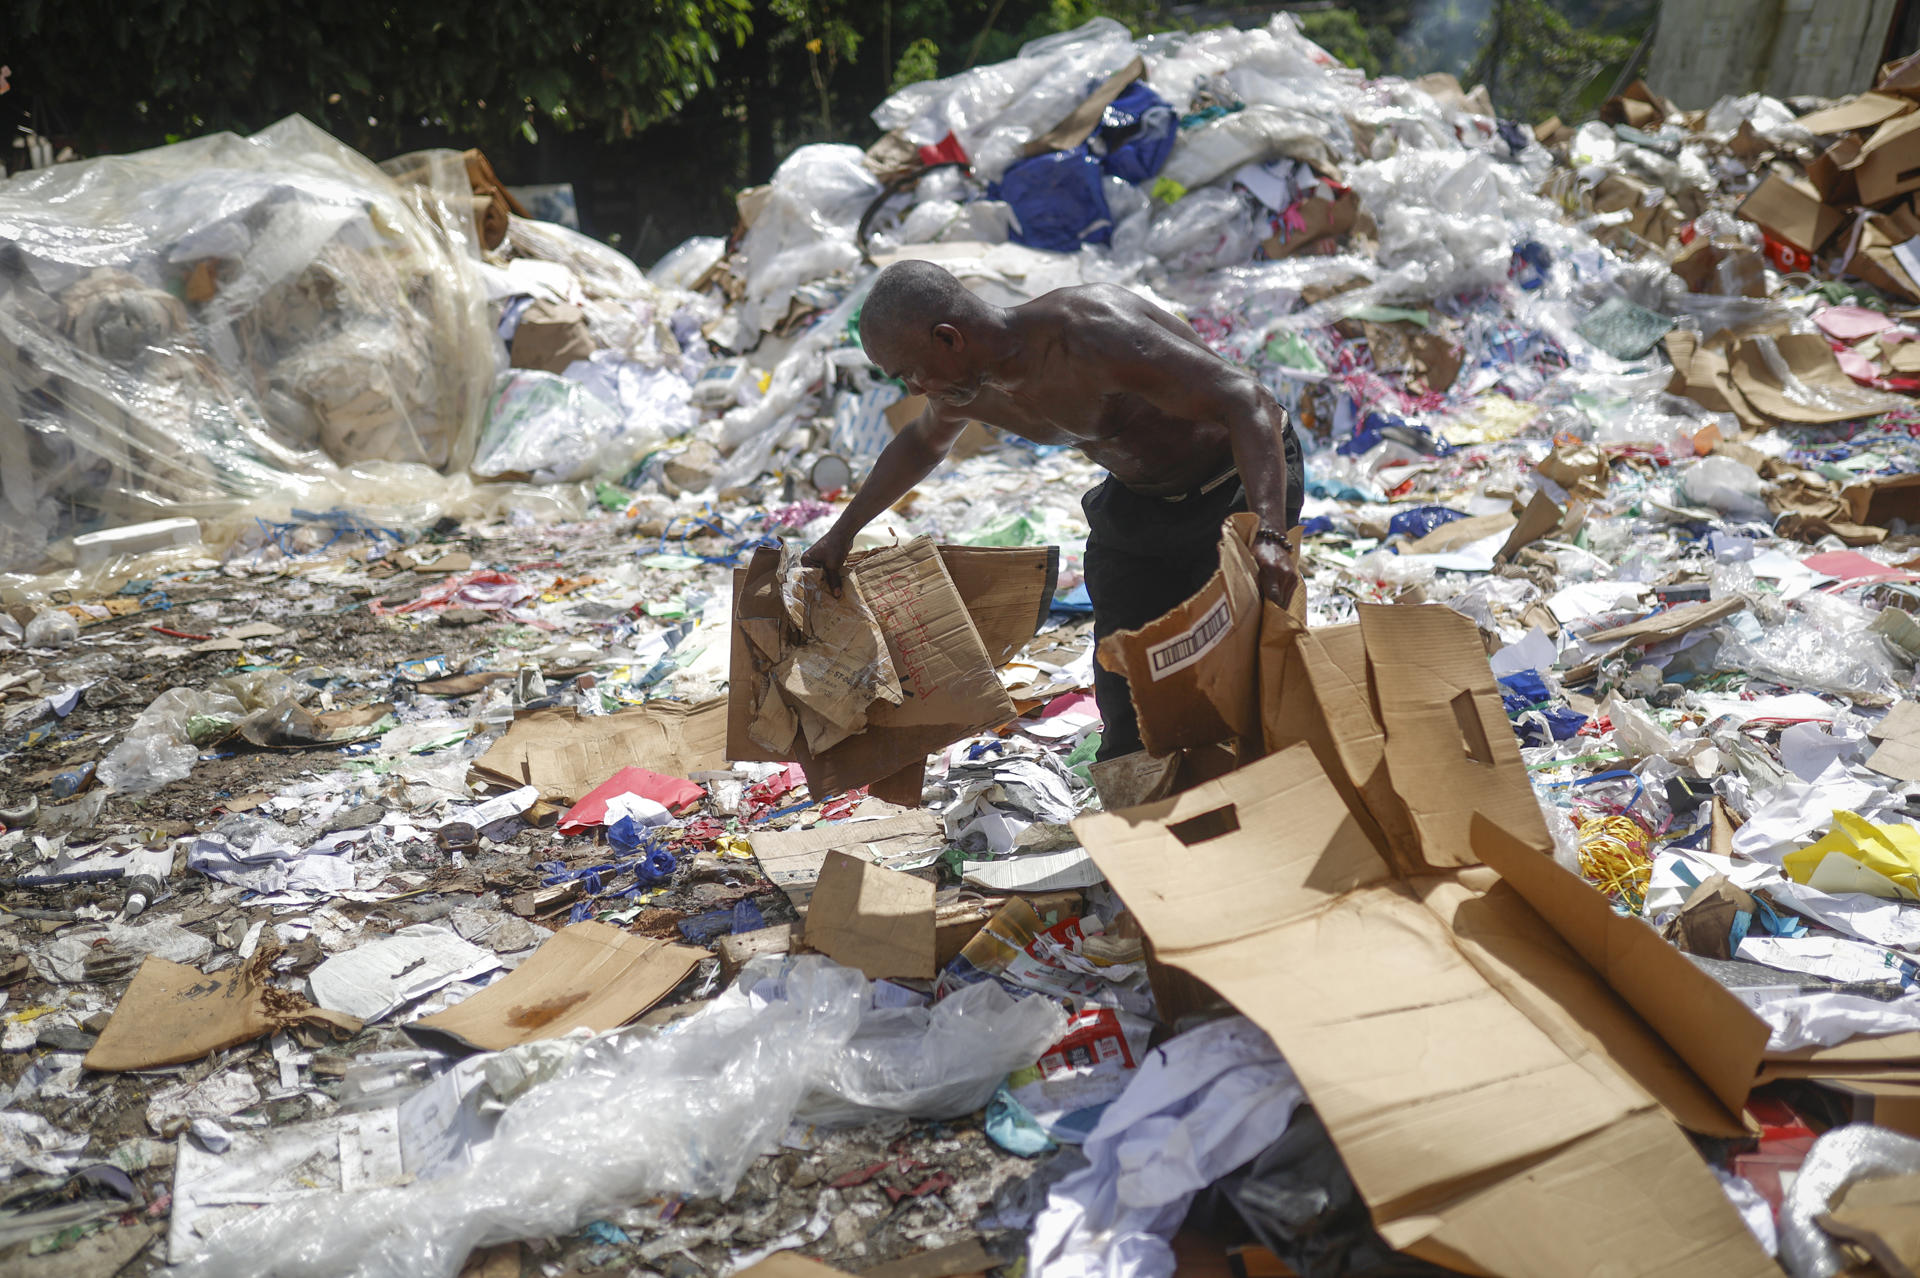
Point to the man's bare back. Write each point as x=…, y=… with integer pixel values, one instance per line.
x=1065, y=387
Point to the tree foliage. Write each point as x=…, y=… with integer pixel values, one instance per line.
x=132, y=72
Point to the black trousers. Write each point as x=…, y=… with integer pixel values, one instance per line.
x=1147, y=555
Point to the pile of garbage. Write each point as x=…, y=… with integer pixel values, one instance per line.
x=445, y=830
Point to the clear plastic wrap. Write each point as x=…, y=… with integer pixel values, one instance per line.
x=1838, y=1159
x=804, y=229
x=1250, y=136
x=678, y=1111
x=553, y=429
x=996, y=110
x=1208, y=228
x=1824, y=644
x=934, y=1062
x=187, y=327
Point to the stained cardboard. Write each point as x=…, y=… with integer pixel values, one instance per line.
x=587, y=975
x=875, y=919
x=1792, y=213
x=1458, y=533
x=1492, y=1095
x=172, y=1013
x=564, y=754
x=1322, y=222
x=1870, y=254
x=1863, y=112
x=1889, y=164
x=1005, y=592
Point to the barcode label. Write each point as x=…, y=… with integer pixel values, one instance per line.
x=1190, y=645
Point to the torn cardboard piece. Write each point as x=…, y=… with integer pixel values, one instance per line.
x=1413, y=1010
x=1658, y=628
x=587, y=975
x=791, y=859
x=1878, y=502
x=1898, y=755
x=1795, y=378
x=874, y=919
x=1880, y=1218
x=1791, y=212
x=1192, y=673
x=943, y=657
x=1889, y=163
x=565, y=755
x=1080, y=123
x=830, y=663
x=171, y=1014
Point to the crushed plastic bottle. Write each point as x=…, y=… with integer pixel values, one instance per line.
x=139, y=764
x=51, y=629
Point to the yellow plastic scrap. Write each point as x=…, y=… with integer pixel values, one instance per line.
x=733, y=845
x=1860, y=856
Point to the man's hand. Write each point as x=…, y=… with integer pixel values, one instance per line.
x=1279, y=578
x=829, y=555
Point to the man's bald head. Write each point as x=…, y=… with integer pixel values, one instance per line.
x=907, y=302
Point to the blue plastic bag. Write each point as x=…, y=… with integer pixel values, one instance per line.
x=1136, y=134
x=1421, y=520
x=1057, y=200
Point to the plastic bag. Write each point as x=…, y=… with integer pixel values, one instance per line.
x=1057, y=201
x=687, y=261
x=51, y=629
x=143, y=763
x=1839, y=1158
x=934, y=1062
x=1731, y=487
x=681, y=1111
x=1206, y=229
x=1257, y=133
x=202, y=323
x=804, y=230
x=1136, y=133
x=996, y=110
x=552, y=429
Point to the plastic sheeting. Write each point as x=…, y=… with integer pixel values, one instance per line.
x=185, y=328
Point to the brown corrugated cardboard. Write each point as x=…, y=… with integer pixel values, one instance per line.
x=585, y=976
x=172, y=1013
x=1881, y=501
x=1863, y=112
x=1830, y=395
x=1322, y=221
x=565, y=754
x=1792, y=213
x=875, y=919
x=1493, y=1097
x=946, y=628
x=1191, y=673
x=1869, y=251
x=1890, y=160
x=1832, y=172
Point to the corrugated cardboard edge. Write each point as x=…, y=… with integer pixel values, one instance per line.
x=1555, y=1210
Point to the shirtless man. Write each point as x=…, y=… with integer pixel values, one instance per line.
x=1186, y=438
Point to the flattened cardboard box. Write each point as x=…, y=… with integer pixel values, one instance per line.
x=1792, y=213
x=963, y=611
x=1496, y=1099
x=587, y=975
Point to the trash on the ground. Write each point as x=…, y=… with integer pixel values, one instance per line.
x=403, y=605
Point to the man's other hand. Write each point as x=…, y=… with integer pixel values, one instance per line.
x=1279, y=578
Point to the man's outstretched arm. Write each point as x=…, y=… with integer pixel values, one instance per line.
x=908, y=458
x=1186, y=380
